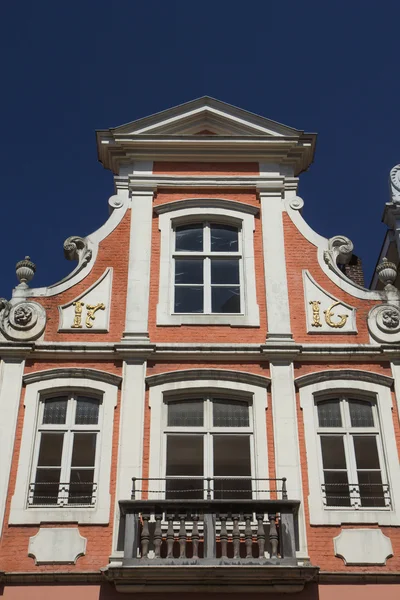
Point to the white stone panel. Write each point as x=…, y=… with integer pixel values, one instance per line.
x=363, y=546
x=324, y=312
x=56, y=545
x=91, y=310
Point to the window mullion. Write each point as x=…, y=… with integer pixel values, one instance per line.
x=207, y=285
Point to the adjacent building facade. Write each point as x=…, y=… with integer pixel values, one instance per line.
x=209, y=402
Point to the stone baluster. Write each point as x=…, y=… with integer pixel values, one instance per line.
x=195, y=536
x=224, y=536
x=248, y=536
x=260, y=535
x=157, y=536
x=145, y=535
x=170, y=536
x=236, y=536
x=273, y=535
x=182, y=536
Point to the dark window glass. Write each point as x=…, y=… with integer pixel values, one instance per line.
x=224, y=238
x=186, y=413
x=46, y=486
x=189, y=238
x=361, y=414
x=55, y=411
x=224, y=271
x=50, y=452
x=81, y=486
x=337, y=491
x=329, y=413
x=225, y=299
x=231, y=413
x=185, y=458
x=84, y=450
x=333, y=456
x=188, y=271
x=87, y=411
x=232, y=459
x=366, y=452
x=188, y=299
x=371, y=489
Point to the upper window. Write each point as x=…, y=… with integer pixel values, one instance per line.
x=207, y=266
x=66, y=448
x=351, y=453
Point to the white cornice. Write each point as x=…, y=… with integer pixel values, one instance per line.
x=206, y=203
x=74, y=373
x=209, y=374
x=345, y=374
x=273, y=183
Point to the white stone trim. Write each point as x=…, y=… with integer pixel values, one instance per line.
x=363, y=547
x=20, y=514
x=11, y=371
x=165, y=316
x=321, y=244
x=278, y=311
x=323, y=515
x=119, y=204
x=259, y=403
x=58, y=545
x=286, y=438
x=343, y=374
x=201, y=374
x=131, y=432
x=137, y=300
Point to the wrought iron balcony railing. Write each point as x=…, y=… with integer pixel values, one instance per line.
x=60, y=495
x=208, y=529
x=356, y=495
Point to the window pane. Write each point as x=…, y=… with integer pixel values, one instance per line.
x=225, y=271
x=87, y=411
x=329, y=413
x=186, y=413
x=189, y=238
x=225, y=299
x=50, y=452
x=361, y=414
x=333, y=456
x=337, y=491
x=84, y=450
x=230, y=413
x=224, y=238
x=55, y=411
x=188, y=299
x=232, y=458
x=188, y=271
x=371, y=489
x=81, y=486
x=46, y=486
x=185, y=458
x=366, y=452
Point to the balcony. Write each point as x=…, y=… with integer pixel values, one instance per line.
x=185, y=532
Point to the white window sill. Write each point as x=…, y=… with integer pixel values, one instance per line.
x=202, y=319
x=84, y=516
x=337, y=516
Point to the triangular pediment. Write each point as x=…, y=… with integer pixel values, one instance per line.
x=205, y=116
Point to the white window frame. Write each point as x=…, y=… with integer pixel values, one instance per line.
x=255, y=395
x=227, y=212
x=21, y=513
x=382, y=398
x=69, y=428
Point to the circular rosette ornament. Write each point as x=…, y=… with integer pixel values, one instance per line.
x=25, y=321
x=384, y=323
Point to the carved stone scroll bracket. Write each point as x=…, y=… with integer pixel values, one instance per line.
x=384, y=319
x=296, y=203
x=394, y=183
x=340, y=251
x=76, y=248
x=115, y=202
x=22, y=321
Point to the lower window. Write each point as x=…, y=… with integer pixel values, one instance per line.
x=66, y=448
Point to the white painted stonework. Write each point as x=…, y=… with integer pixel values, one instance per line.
x=93, y=312
x=324, y=313
x=363, y=547
x=55, y=545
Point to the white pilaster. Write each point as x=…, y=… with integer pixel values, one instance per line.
x=286, y=437
x=395, y=366
x=131, y=431
x=137, y=302
x=11, y=371
x=276, y=287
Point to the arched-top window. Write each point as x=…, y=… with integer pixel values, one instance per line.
x=351, y=452
x=66, y=451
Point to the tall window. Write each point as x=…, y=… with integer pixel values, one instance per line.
x=351, y=453
x=207, y=261
x=65, y=453
x=208, y=437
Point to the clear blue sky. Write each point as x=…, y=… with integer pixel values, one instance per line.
x=69, y=68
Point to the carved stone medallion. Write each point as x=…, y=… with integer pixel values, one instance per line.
x=384, y=323
x=23, y=321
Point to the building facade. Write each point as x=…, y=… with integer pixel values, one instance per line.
x=209, y=402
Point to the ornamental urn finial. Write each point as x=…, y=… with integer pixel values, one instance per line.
x=25, y=270
x=387, y=272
